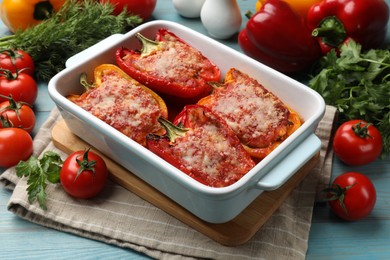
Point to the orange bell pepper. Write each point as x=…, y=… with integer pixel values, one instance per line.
x=21, y=14
x=260, y=132
x=122, y=102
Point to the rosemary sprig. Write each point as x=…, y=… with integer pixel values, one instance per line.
x=78, y=25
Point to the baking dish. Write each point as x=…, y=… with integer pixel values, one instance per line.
x=215, y=205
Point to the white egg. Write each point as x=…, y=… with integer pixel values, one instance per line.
x=188, y=8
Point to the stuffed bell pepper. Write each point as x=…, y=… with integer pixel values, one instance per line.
x=170, y=66
x=200, y=144
x=122, y=102
x=258, y=117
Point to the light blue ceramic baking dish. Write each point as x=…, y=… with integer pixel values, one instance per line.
x=215, y=205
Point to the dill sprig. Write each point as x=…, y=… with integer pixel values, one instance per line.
x=75, y=27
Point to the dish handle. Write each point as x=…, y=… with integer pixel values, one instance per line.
x=290, y=164
x=92, y=50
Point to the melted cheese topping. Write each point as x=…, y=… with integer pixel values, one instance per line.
x=211, y=156
x=174, y=61
x=256, y=115
x=124, y=105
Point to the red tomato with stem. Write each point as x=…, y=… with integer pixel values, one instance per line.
x=17, y=114
x=83, y=174
x=352, y=196
x=357, y=142
x=143, y=8
x=17, y=60
x=15, y=145
x=21, y=86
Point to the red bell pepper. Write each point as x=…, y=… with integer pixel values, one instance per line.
x=279, y=38
x=335, y=21
x=203, y=147
x=169, y=65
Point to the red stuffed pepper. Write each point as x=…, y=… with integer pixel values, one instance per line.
x=335, y=21
x=258, y=117
x=204, y=147
x=169, y=65
x=279, y=38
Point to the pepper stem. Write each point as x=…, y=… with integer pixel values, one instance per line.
x=215, y=85
x=84, y=82
x=331, y=30
x=148, y=45
x=173, y=131
x=43, y=10
x=248, y=14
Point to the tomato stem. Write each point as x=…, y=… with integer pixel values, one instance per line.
x=8, y=74
x=13, y=105
x=5, y=122
x=361, y=131
x=338, y=193
x=85, y=165
x=12, y=54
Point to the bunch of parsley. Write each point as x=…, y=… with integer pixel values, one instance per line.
x=78, y=25
x=357, y=83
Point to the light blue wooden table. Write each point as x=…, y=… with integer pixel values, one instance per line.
x=330, y=238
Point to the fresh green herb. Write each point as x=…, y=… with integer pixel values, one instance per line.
x=357, y=83
x=38, y=172
x=78, y=25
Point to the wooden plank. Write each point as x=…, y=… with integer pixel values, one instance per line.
x=232, y=233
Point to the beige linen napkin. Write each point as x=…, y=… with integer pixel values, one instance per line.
x=121, y=218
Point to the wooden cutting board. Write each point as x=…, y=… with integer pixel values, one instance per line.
x=232, y=233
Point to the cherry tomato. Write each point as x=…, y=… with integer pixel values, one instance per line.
x=143, y=8
x=15, y=145
x=21, y=86
x=352, y=196
x=17, y=60
x=357, y=143
x=83, y=174
x=18, y=115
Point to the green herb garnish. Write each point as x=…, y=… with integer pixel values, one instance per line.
x=78, y=25
x=38, y=172
x=357, y=83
